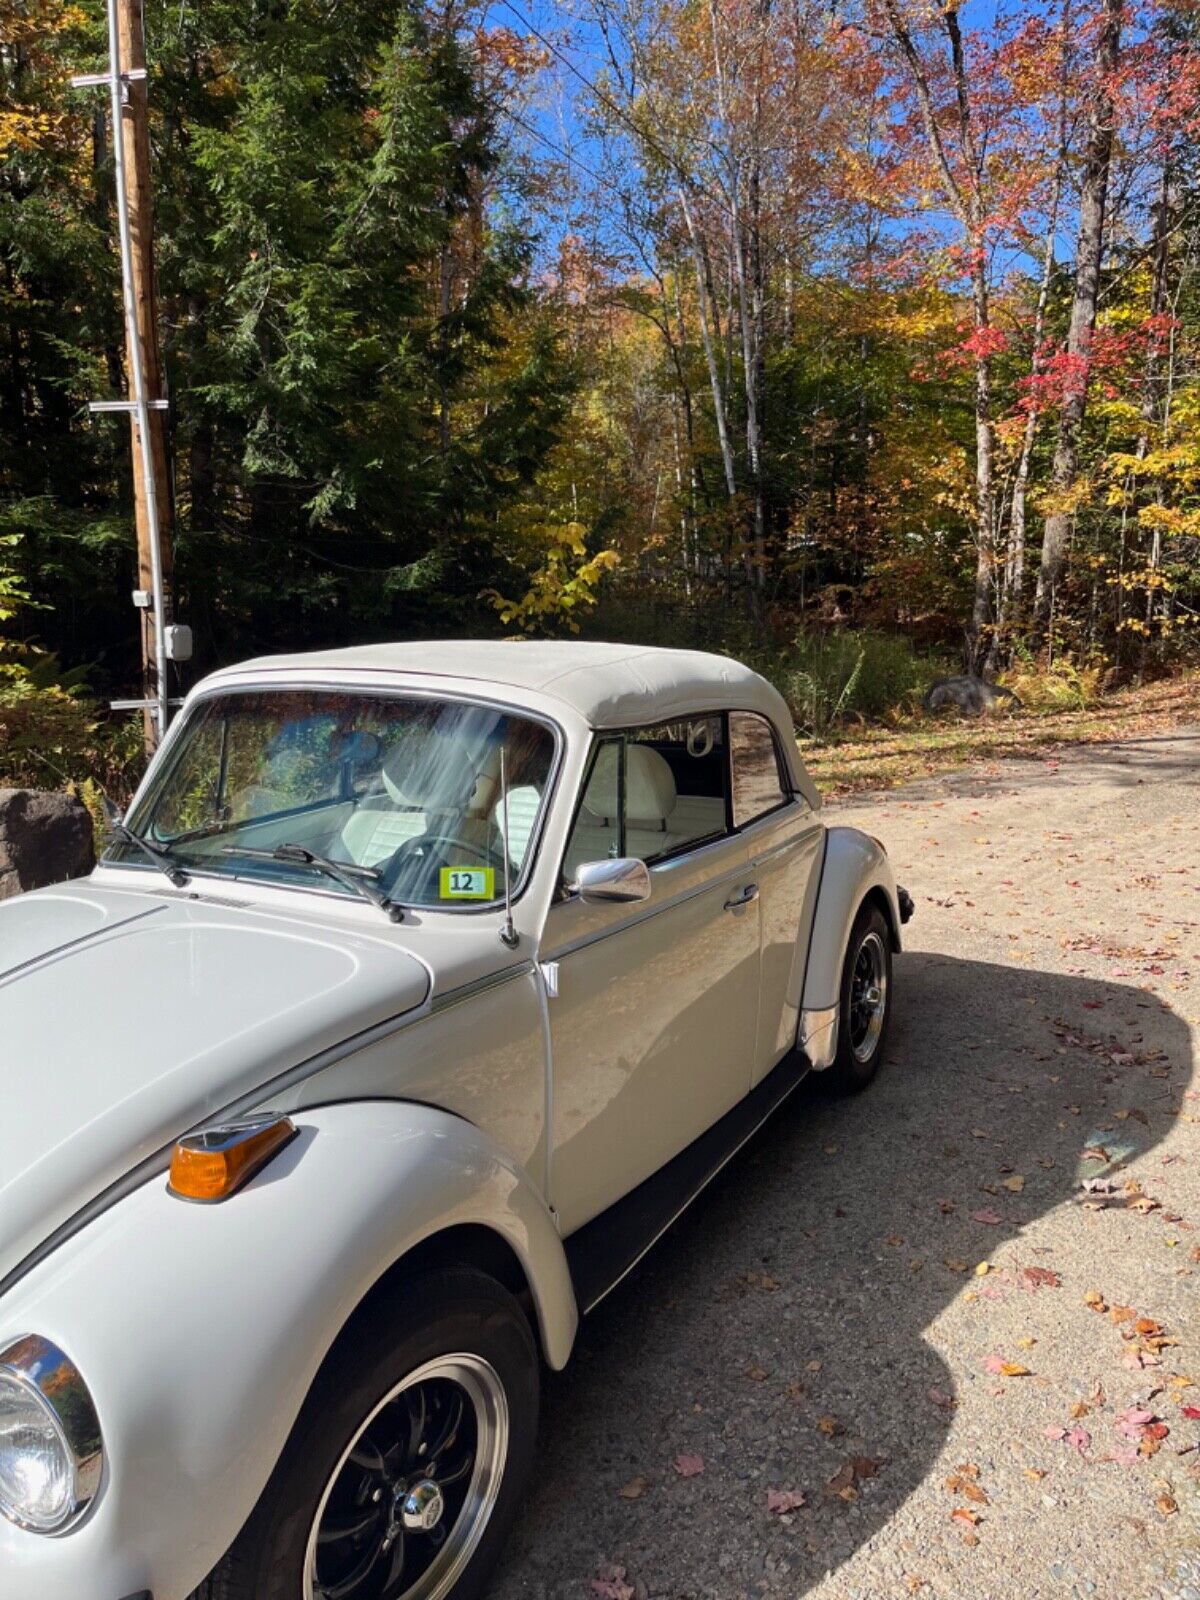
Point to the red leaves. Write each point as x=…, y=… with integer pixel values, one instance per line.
x=688, y=1466
x=781, y=1501
x=1040, y=1278
x=611, y=1584
x=989, y=1218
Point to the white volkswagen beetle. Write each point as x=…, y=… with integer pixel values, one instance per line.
x=422, y=988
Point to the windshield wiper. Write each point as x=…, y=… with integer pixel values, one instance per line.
x=123, y=834
x=362, y=881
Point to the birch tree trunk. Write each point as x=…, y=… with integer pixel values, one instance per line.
x=1088, y=258
x=1014, y=577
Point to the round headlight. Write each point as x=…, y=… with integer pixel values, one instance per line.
x=50, y=1451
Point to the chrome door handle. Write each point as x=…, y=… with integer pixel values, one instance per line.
x=749, y=893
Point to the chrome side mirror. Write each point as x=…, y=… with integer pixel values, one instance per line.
x=620, y=880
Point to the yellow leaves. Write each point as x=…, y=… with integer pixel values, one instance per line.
x=565, y=582
x=28, y=130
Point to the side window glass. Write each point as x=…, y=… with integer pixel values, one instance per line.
x=597, y=830
x=653, y=792
x=676, y=786
x=757, y=782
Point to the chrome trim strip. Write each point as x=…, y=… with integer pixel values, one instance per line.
x=84, y=938
x=467, y=991
x=650, y=911
x=37, y=1364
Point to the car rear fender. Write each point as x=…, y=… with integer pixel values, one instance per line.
x=855, y=869
x=200, y=1328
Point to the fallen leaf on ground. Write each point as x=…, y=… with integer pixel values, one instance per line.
x=829, y=1426
x=1005, y=1369
x=780, y=1501
x=1015, y=1184
x=1165, y=1505
x=988, y=1217
x=634, y=1489
x=689, y=1466
x=982, y=1270
x=852, y=1471
x=611, y=1585
x=757, y=1374
x=957, y=1483
x=962, y=1514
x=1095, y=1300
x=1041, y=1278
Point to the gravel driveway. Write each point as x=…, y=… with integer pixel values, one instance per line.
x=902, y=1320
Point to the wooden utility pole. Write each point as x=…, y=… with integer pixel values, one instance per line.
x=135, y=135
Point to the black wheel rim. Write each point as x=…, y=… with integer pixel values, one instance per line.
x=410, y=1497
x=868, y=997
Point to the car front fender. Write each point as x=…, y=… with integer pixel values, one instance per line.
x=855, y=867
x=200, y=1328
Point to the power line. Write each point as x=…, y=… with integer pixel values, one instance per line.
x=606, y=99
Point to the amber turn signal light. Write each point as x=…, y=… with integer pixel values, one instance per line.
x=215, y=1163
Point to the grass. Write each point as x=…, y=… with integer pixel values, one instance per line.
x=882, y=758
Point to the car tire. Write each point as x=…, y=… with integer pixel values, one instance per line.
x=451, y=1343
x=865, y=1003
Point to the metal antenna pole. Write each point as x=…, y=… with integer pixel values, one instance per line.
x=140, y=406
x=508, y=934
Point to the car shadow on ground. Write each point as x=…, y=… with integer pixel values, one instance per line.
x=827, y=1241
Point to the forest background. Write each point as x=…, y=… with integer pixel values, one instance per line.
x=859, y=338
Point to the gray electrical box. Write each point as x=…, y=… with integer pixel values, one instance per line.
x=179, y=641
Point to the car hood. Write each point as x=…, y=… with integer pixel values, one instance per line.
x=127, y=1018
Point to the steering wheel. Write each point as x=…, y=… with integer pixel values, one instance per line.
x=427, y=853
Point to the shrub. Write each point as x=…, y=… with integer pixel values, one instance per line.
x=828, y=678
x=1061, y=687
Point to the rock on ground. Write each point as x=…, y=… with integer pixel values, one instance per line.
x=44, y=838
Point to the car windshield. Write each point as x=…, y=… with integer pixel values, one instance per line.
x=404, y=791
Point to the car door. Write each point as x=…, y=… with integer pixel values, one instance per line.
x=654, y=1022
x=785, y=842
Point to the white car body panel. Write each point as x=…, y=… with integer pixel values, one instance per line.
x=225, y=998
x=200, y=1328
x=438, y=1078
x=656, y=1003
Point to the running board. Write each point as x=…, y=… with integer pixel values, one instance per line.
x=608, y=1247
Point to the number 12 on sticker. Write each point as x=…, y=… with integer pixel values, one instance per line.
x=468, y=883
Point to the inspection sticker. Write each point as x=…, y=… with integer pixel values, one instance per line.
x=468, y=883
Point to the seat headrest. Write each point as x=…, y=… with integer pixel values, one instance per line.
x=649, y=786
x=427, y=769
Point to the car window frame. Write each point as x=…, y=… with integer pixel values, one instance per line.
x=390, y=691
x=789, y=793
x=619, y=736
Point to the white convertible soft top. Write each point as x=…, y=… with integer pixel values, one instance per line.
x=608, y=685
